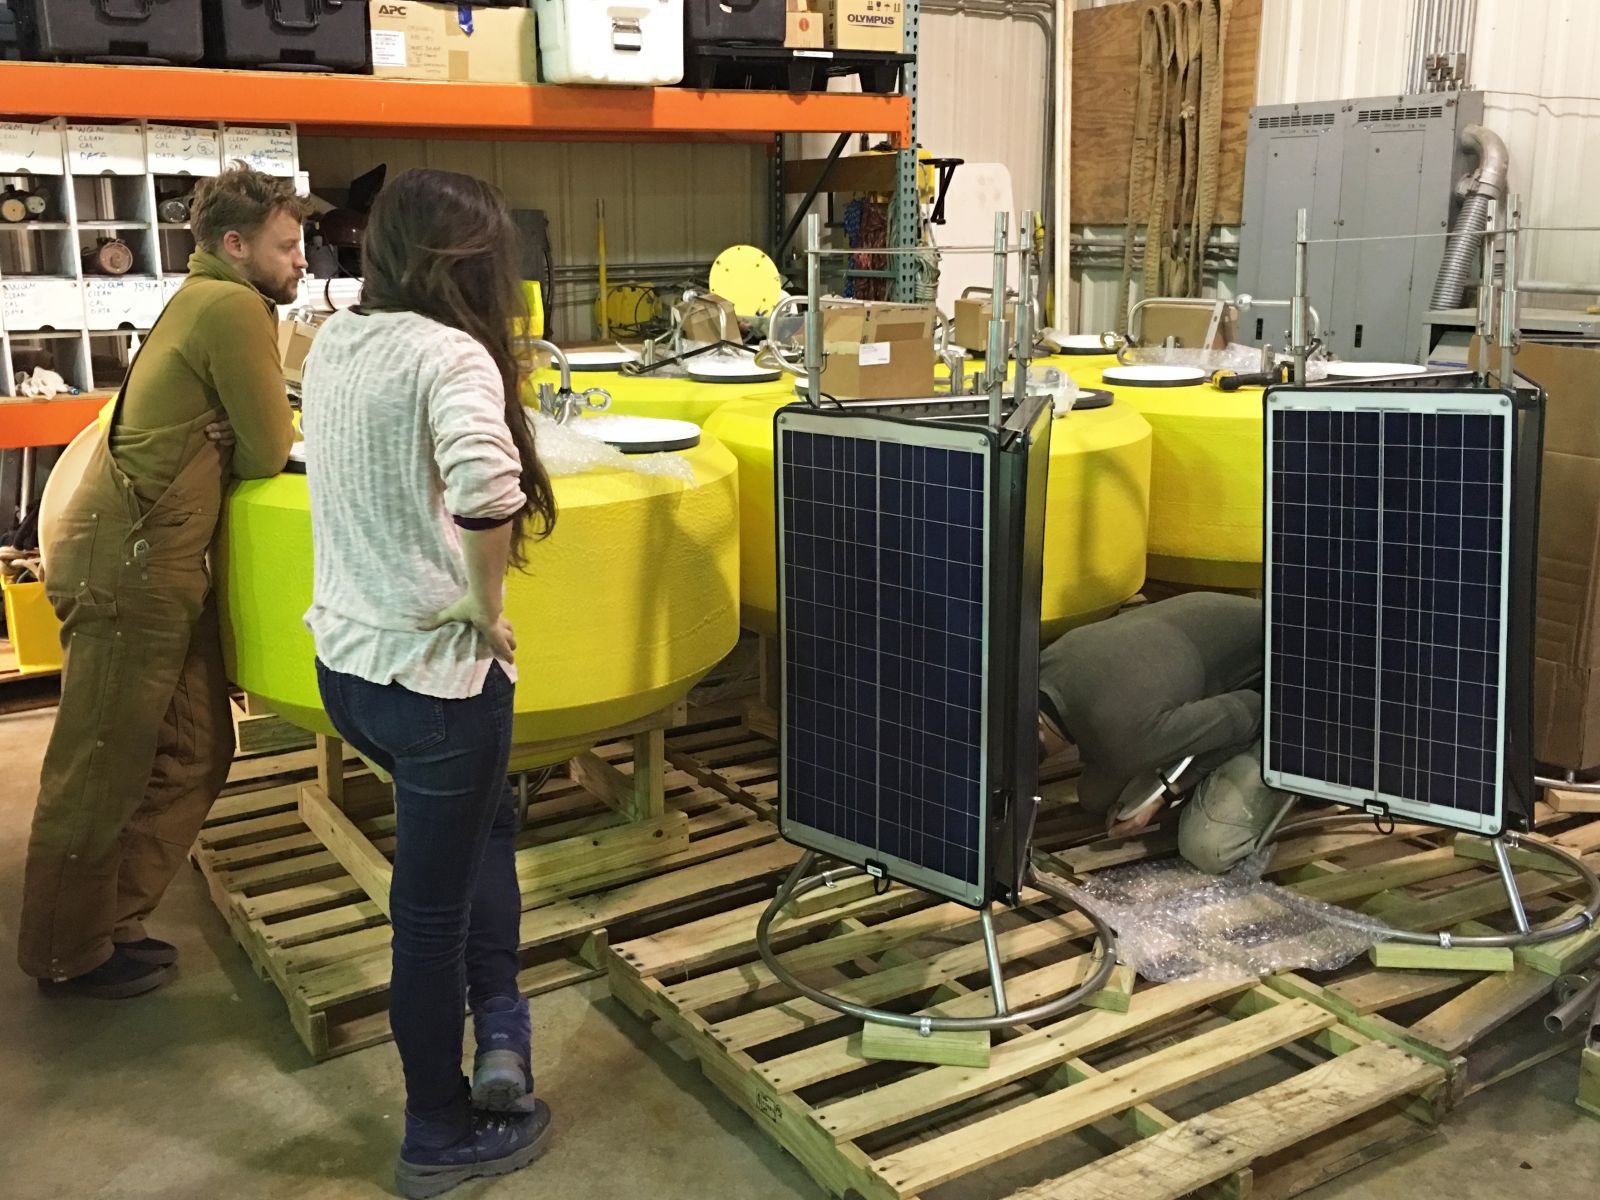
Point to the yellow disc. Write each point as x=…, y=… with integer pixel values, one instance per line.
x=747, y=279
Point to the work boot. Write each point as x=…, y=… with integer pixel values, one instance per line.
x=497, y=1144
x=150, y=950
x=502, y=1068
x=118, y=978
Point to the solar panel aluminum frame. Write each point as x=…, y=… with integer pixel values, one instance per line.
x=1016, y=459
x=1522, y=412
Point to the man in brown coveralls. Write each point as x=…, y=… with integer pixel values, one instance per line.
x=143, y=738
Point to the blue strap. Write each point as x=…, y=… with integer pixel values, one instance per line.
x=464, y=18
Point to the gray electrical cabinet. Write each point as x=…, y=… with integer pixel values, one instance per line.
x=1361, y=169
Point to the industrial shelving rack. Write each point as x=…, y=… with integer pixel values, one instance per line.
x=358, y=106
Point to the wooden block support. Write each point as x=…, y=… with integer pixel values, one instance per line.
x=1564, y=801
x=639, y=796
x=1523, y=858
x=345, y=842
x=1117, y=995
x=330, y=769
x=1589, y=1083
x=1437, y=958
x=825, y=898
x=961, y=1048
x=258, y=730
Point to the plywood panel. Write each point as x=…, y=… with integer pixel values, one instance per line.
x=1105, y=75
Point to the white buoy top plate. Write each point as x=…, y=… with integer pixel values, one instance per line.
x=1371, y=370
x=1153, y=375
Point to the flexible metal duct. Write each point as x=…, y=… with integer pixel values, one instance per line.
x=1488, y=184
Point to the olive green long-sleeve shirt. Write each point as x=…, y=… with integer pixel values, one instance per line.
x=216, y=347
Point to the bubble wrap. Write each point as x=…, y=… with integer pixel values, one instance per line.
x=1246, y=360
x=565, y=451
x=1176, y=923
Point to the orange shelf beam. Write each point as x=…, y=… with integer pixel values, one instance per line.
x=32, y=423
x=353, y=104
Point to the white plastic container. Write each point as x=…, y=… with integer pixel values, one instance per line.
x=635, y=43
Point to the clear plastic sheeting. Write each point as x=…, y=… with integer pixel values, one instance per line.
x=565, y=451
x=1246, y=360
x=1176, y=923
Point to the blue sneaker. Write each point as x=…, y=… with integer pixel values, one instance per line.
x=502, y=1069
x=497, y=1144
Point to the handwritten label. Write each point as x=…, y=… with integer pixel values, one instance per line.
x=875, y=354
x=269, y=149
x=170, y=285
x=111, y=303
x=183, y=150
x=41, y=304
x=105, y=149
x=28, y=147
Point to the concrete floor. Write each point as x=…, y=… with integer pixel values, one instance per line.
x=203, y=1090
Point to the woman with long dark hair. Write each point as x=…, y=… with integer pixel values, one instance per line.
x=425, y=487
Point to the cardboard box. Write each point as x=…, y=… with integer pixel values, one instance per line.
x=808, y=26
x=1566, y=644
x=413, y=40
x=702, y=324
x=867, y=25
x=973, y=314
x=294, y=343
x=877, y=351
x=1187, y=325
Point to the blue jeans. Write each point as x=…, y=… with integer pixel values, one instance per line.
x=454, y=902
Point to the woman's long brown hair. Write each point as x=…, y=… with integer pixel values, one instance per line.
x=442, y=245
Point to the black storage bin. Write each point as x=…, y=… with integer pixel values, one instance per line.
x=724, y=22
x=288, y=35
x=126, y=31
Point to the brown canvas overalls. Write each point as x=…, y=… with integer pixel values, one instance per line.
x=144, y=737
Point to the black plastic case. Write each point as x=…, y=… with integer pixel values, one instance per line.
x=288, y=35
x=124, y=31
x=734, y=22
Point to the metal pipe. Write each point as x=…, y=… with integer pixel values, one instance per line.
x=1502, y=859
x=995, y=367
x=798, y=884
x=1488, y=184
x=1551, y=287
x=1025, y=301
x=1576, y=1008
x=814, y=309
x=991, y=950
x=1297, y=312
x=1510, y=334
x=1584, y=919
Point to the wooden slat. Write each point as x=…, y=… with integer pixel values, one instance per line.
x=349, y=845
x=1459, y=1023
x=981, y=1143
x=1072, y=1036
x=1378, y=989
x=1213, y=1145
x=569, y=918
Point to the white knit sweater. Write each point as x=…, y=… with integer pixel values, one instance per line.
x=405, y=427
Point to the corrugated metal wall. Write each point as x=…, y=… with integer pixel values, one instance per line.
x=985, y=90
x=1537, y=61
x=675, y=205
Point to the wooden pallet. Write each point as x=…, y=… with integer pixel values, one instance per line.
x=309, y=926
x=1093, y=1087
x=894, y=1129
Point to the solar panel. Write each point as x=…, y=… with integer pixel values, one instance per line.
x=894, y=595
x=1389, y=551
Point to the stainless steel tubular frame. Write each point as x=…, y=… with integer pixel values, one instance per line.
x=1523, y=936
x=801, y=881
x=1589, y=787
